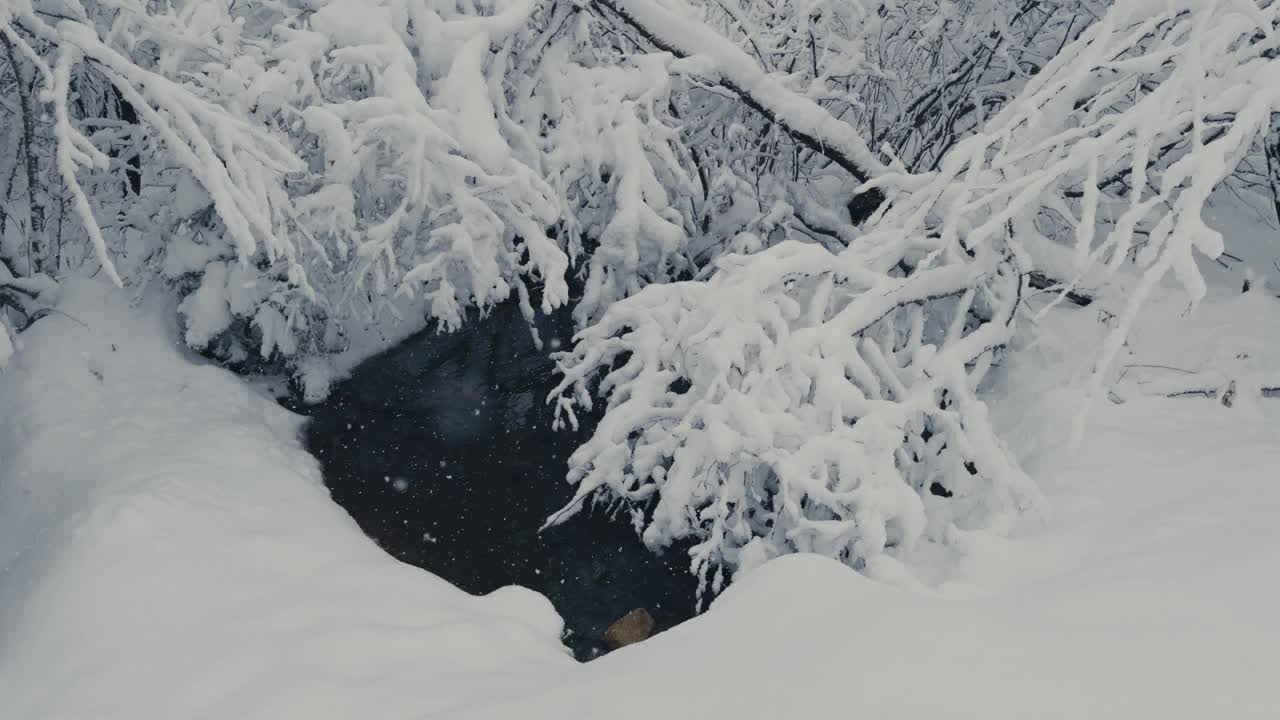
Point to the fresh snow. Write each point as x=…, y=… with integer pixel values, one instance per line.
x=1151, y=591
x=169, y=551
x=322, y=178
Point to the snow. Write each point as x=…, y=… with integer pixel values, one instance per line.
x=206, y=310
x=1150, y=593
x=169, y=552
x=329, y=175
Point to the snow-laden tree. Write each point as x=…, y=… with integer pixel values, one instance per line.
x=914, y=75
x=305, y=171
x=911, y=77
x=117, y=106
x=302, y=170
x=797, y=235
x=805, y=398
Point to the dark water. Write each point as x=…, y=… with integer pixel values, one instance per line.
x=441, y=449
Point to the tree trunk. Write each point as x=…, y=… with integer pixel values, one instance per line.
x=36, y=236
x=1271, y=147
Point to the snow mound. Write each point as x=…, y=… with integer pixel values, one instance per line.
x=1150, y=592
x=168, y=550
x=1181, y=351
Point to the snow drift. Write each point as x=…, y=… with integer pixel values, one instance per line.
x=167, y=550
x=1150, y=593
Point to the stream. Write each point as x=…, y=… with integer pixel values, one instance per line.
x=442, y=451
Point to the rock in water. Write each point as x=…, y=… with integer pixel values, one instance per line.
x=633, y=627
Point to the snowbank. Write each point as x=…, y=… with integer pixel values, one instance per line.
x=1152, y=595
x=1151, y=591
x=167, y=550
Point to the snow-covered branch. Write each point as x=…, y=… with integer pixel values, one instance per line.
x=804, y=399
x=717, y=60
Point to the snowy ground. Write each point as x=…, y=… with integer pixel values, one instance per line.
x=167, y=551
x=1152, y=591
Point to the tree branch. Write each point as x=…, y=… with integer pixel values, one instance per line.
x=806, y=122
x=1040, y=281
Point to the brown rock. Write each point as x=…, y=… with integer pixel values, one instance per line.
x=633, y=627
